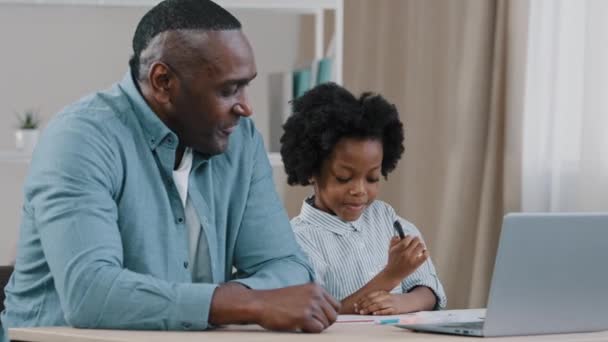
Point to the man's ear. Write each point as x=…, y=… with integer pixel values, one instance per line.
x=314, y=180
x=162, y=81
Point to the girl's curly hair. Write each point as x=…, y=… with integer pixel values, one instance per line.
x=328, y=113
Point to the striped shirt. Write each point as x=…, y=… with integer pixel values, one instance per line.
x=347, y=255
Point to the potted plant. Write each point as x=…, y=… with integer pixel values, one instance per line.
x=26, y=135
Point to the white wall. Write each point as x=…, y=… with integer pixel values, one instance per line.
x=53, y=55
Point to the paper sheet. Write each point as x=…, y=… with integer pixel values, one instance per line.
x=422, y=317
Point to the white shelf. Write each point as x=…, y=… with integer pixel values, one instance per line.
x=14, y=156
x=299, y=5
x=275, y=159
x=315, y=7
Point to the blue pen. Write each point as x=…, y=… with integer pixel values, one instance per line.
x=389, y=321
x=399, y=229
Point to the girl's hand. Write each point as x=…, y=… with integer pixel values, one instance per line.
x=405, y=256
x=378, y=303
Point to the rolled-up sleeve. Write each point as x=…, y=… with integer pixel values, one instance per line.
x=71, y=189
x=266, y=253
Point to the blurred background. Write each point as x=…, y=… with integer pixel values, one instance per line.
x=503, y=101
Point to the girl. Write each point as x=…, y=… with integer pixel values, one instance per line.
x=342, y=146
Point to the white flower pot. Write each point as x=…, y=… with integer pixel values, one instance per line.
x=26, y=139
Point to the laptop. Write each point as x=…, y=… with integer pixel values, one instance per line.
x=550, y=277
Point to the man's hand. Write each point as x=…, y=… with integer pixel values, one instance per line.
x=306, y=308
x=378, y=303
x=405, y=256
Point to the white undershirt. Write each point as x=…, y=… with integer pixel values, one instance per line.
x=180, y=177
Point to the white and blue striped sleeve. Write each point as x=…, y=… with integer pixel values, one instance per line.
x=310, y=248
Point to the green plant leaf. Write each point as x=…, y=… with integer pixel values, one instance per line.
x=28, y=119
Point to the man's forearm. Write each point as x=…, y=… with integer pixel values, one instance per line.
x=233, y=303
x=306, y=308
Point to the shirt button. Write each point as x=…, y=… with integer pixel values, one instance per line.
x=180, y=220
x=185, y=264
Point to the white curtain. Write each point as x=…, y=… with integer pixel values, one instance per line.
x=565, y=146
x=455, y=71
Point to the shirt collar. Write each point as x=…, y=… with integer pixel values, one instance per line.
x=328, y=221
x=155, y=130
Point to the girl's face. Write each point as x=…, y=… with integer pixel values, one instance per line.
x=349, y=178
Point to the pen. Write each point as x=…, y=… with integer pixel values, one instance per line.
x=388, y=321
x=399, y=229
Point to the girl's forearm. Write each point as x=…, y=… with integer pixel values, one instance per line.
x=381, y=282
x=420, y=298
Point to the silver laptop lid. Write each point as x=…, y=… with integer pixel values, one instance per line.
x=550, y=275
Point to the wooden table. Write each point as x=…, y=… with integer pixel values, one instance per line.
x=351, y=332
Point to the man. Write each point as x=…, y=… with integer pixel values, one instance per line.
x=141, y=199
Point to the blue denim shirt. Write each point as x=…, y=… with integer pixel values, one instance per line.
x=103, y=243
